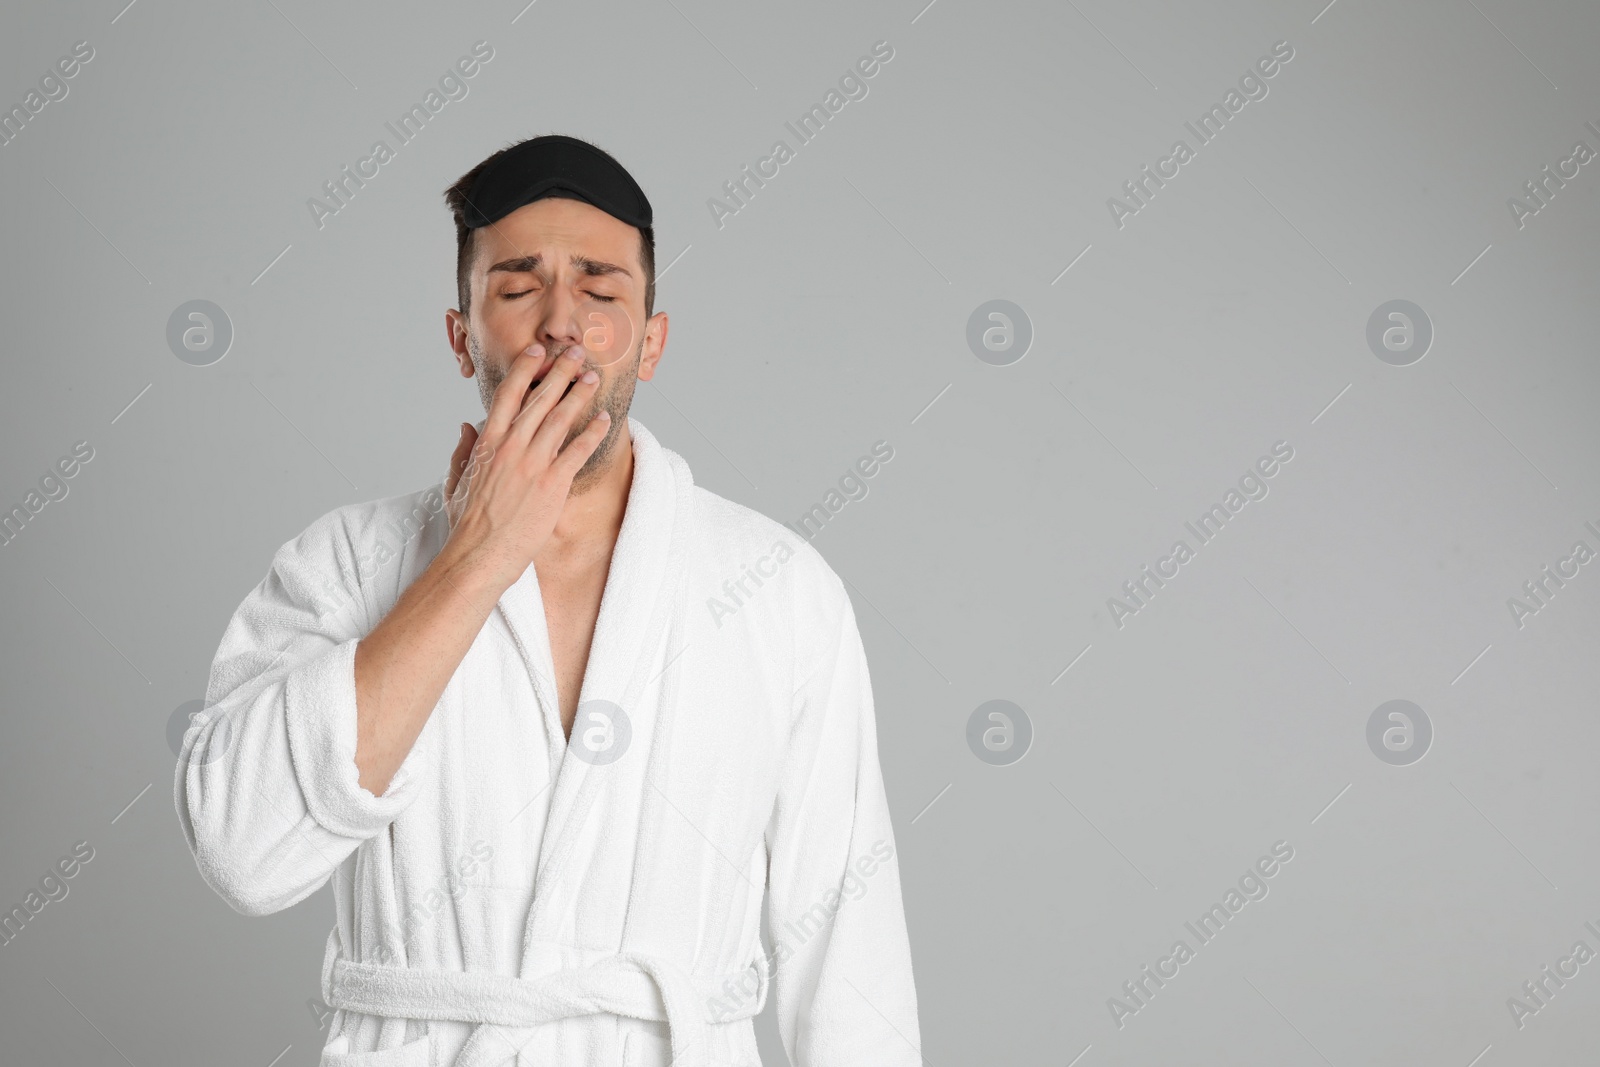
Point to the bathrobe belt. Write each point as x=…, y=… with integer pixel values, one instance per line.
x=630, y=983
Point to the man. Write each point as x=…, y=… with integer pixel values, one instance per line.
x=560, y=727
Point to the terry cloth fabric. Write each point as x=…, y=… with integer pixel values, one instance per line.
x=505, y=893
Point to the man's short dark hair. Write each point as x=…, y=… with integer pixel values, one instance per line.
x=456, y=198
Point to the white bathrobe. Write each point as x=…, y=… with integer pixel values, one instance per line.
x=508, y=902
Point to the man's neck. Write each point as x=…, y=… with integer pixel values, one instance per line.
x=591, y=520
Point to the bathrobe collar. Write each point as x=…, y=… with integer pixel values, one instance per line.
x=642, y=598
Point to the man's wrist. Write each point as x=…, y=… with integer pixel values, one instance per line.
x=473, y=573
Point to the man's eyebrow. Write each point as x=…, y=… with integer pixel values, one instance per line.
x=597, y=267
x=529, y=264
x=520, y=265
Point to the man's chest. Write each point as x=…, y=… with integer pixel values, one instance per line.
x=571, y=607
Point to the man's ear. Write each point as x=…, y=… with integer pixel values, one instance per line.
x=455, y=328
x=655, y=342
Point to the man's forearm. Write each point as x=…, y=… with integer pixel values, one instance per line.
x=403, y=665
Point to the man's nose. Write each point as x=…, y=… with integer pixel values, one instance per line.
x=558, y=326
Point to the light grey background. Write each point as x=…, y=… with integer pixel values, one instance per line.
x=829, y=313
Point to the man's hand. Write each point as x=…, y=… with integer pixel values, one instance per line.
x=507, y=486
x=504, y=493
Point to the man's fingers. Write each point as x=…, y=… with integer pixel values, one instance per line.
x=508, y=396
x=547, y=440
x=538, y=405
x=458, y=459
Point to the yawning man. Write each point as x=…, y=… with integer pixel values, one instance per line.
x=554, y=778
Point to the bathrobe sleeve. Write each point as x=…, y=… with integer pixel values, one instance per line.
x=266, y=784
x=843, y=988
